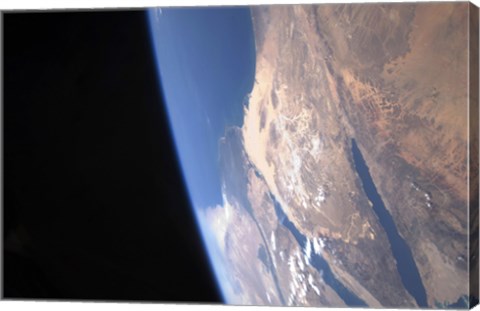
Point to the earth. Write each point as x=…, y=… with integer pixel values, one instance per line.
x=354, y=144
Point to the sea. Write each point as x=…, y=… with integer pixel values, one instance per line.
x=206, y=59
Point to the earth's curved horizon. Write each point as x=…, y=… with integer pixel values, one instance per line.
x=334, y=165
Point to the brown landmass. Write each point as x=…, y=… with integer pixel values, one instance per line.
x=404, y=83
x=395, y=78
x=264, y=263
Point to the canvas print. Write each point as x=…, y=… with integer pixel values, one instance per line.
x=321, y=155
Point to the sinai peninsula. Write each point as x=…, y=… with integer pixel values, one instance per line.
x=347, y=182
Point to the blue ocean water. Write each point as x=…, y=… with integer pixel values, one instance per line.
x=206, y=60
x=206, y=64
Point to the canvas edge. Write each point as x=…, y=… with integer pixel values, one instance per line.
x=473, y=162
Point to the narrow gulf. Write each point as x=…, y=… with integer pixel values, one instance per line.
x=401, y=251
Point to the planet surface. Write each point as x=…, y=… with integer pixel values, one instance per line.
x=327, y=150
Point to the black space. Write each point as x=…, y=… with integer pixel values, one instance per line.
x=94, y=203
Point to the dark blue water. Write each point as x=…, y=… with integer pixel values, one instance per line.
x=401, y=251
x=206, y=61
x=318, y=262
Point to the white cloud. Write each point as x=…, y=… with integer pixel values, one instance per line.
x=300, y=261
x=312, y=284
x=308, y=251
x=318, y=245
x=272, y=239
x=291, y=265
x=214, y=223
